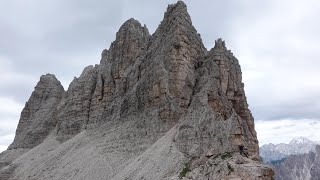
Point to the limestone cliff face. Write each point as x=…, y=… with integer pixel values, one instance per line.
x=155, y=104
x=39, y=116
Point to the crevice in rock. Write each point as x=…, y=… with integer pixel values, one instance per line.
x=102, y=88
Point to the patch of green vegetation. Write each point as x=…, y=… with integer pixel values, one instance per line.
x=184, y=171
x=230, y=168
x=226, y=156
x=255, y=159
x=215, y=157
x=278, y=161
x=214, y=164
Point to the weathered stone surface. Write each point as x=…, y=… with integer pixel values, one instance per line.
x=226, y=167
x=228, y=96
x=154, y=103
x=303, y=166
x=39, y=116
x=74, y=109
x=38, y=119
x=118, y=72
x=8, y=156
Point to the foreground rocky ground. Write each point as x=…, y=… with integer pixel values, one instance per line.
x=156, y=107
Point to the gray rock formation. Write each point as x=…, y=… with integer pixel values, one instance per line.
x=39, y=116
x=156, y=107
x=37, y=121
x=74, y=110
x=303, y=166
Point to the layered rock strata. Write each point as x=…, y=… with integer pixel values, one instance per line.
x=154, y=105
x=39, y=116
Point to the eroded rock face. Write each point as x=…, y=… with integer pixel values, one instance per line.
x=118, y=73
x=303, y=166
x=152, y=95
x=228, y=166
x=229, y=98
x=75, y=108
x=39, y=116
x=172, y=58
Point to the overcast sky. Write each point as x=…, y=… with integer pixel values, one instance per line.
x=276, y=42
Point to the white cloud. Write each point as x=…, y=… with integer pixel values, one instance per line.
x=9, y=106
x=279, y=54
x=283, y=131
x=10, y=112
x=3, y=148
x=5, y=141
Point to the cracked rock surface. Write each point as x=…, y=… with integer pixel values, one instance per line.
x=152, y=106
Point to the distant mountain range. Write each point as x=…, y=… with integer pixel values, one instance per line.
x=300, y=159
x=272, y=153
x=302, y=166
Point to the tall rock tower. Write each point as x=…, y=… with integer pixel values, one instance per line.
x=157, y=106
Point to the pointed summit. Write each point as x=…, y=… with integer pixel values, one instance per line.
x=131, y=30
x=130, y=40
x=220, y=44
x=177, y=26
x=132, y=25
x=38, y=117
x=177, y=14
x=175, y=48
x=178, y=8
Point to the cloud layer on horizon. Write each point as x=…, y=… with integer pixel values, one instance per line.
x=283, y=131
x=277, y=44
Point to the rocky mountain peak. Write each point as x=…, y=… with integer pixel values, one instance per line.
x=155, y=107
x=177, y=10
x=220, y=44
x=132, y=28
x=176, y=20
x=300, y=140
x=299, y=166
x=38, y=117
x=273, y=152
x=48, y=78
x=130, y=40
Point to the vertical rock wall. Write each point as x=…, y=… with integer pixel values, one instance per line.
x=146, y=85
x=39, y=116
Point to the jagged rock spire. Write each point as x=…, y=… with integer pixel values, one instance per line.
x=38, y=117
x=176, y=16
x=220, y=44
x=163, y=95
x=174, y=51
x=132, y=29
x=130, y=40
x=178, y=10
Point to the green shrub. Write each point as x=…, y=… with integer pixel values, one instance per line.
x=184, y=171
x=255, y=159
x=278, y=161
x=230, y=168
x=226, y=156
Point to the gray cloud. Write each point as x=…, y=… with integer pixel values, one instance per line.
x=283, y=131
x=275, y=42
